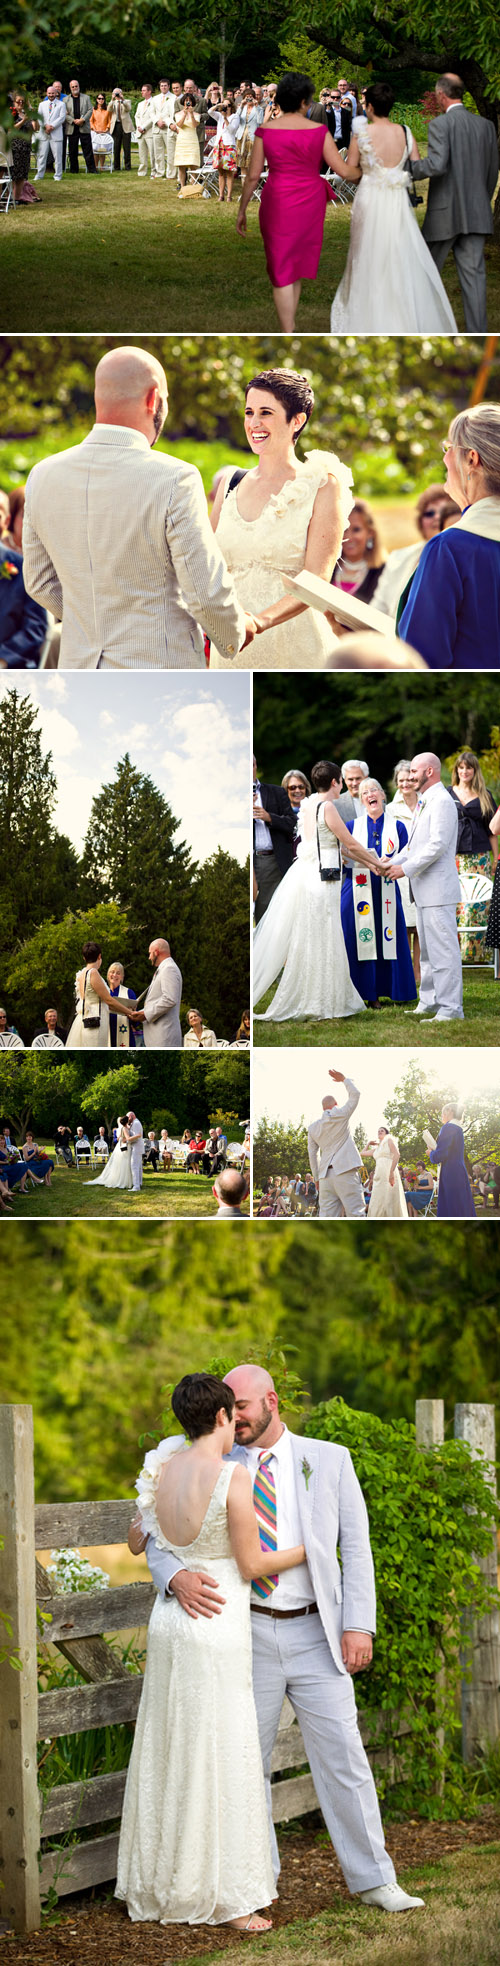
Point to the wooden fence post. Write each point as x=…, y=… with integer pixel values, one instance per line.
x=429, y=1422
x=481, y=1690
x=19, y=1818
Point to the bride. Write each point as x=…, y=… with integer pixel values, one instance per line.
x=285, y=516
x=387, y=1196
x=117, y=1172
x=90, y=1027
x=301, y=932
x=390, y=283
x=194, y=1842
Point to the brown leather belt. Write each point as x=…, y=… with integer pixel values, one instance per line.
x=264, y=1611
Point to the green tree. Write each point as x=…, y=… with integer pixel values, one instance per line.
x=279, y=1149
x=393, y=42
x=110, y=1094
x=131, y=857
x=417, y=1103
x=28, y=789
x=43, y=971
x=37, y=1091
x=220, y=979
x=340, y=716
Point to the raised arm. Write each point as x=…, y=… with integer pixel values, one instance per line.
x=351, y=168
x=246, y=1546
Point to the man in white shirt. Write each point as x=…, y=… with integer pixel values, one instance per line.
x=145, y=126
x=52, y=113
x=429, y=860
x=163, y=110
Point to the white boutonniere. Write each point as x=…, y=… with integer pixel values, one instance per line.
x=306, y=1471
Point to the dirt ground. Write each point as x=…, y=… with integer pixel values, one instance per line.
x=95, y=1931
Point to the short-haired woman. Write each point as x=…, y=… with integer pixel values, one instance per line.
x=100, y=124
x=198, y=1036
x=284, y=517
x=90, y=1027
x=295, y=195
x=390, y=284
x=452, y=615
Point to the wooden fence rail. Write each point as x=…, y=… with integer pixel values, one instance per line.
x=110, y=1694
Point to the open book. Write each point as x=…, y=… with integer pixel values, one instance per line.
x=345, y=607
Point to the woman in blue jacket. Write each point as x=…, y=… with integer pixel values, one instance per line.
x=452, y=613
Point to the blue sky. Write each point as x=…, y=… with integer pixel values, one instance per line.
x=190, y=731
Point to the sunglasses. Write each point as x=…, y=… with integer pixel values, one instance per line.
x=432, y=512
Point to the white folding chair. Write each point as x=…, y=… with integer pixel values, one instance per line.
x=6, y=193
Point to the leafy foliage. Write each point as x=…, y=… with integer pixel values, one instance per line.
x=431, y=1516
x=302, y=718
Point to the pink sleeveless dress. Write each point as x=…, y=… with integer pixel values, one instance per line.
x=293, y=203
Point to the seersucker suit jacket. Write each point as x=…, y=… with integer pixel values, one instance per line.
x=329, y=1141
x=117, y=543
x=429, y=858
x=333, y=1516
x=161, y=1025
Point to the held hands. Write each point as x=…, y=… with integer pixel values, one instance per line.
x=197, y=1593
x=357, y=1650
x=251, y=631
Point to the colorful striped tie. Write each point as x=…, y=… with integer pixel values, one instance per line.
x=264, y=1501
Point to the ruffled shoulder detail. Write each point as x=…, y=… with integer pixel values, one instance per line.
x=147, y=1483
x=317, y=467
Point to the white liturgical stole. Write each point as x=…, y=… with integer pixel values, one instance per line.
x=364, y=917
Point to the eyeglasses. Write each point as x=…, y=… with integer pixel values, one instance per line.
x=431, y=512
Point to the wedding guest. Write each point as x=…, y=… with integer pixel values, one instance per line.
x=21, y=131
x=198, y=1037
x=144, y=123
x=9, y=1036
x=403, y=806
x=52, y=114
x=362, y=555
x=121, y=127
x=196, y=1151
x=452, y=615
x=369, y=651
x=273, y=830
x=224, y=155
x=295, y=195
x=187, y=149
x=353, y=771
x=176, y=92
x=14, y=536
x=476, y=846
x=53, y=1038
x=13, y=1173
x=448, y=1153
x=121, y=1031
x=62, y=1144
x=83, y=1143
x=151, y=1150
x=401, y=564
x=163, y=110
x=298, y=788
x=166, y=1149
x=101, y=1145
x=374, y=925
x=79, y=122
x=492, y=938
x=37, y=1161
x=23, y=623
x=230, y=1190
x=243, y=1033
x=210, y=1157
x=102, y=141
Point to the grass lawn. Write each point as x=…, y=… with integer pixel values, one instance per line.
x=459, y=1923
x=146, y=261
x=161, y=1195
x=391, y=1026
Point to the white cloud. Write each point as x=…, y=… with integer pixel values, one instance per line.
x=73, y=806
x=206, y=778
x=59, y=734
x=106, y=720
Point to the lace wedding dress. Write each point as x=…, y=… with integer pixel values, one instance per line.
x=384, y=1200
x=97, y=1038
x=194, y=1843
x=390, y=283
x=258, y=551
x=117, y=1172
x=301, y=933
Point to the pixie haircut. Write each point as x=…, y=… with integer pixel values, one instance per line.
x=289, y=388
x=292, y=90
x=197, y=1400
x=90, y=951
x=323, y=773
x=380, y=97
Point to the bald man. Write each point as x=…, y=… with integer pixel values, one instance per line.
x=160, y=1016
x=462, y=164
x=312, y=1632
x=230, y=1189
x=429, y=860
x=118, y=537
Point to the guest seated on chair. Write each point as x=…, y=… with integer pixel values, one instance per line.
x=196, y=1152
x=199, y=1037
x=82, y=1144
x=62, y=1144
x=13, y=1173
x=53, y=1038
x=23, y=624
x=37, y=1161
x=151, y=1151
x=101, y=1147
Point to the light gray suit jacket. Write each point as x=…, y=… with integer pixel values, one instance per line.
x=462, y=164
x=86, y=107
x=161, y=1027
x=118, y=536
x=329, y=1141
x=332, y=1515
x=429, y=858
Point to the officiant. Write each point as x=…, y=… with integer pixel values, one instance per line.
x=121, y=1031
x=372, y=916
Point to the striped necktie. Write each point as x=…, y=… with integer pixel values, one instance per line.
x=264, y=1501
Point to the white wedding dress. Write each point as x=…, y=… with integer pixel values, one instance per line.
x=258, y=551
x=97, y=1038
x=390, y=283
x=301, y=934
x=194, y=1842
x=117, y=1172
x=386, y=1201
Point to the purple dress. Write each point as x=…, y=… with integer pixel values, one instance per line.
x=293, y=204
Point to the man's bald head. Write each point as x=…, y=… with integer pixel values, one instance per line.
x=231, y=1186
x=425, y=770
x=328, y=1102
x=158, y=950
x=131, y=389
x=256, y=1406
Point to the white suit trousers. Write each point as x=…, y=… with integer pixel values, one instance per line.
x=341, y=1194
x=441, y=986
x=136, y=1166
x=161, y=152
x=55, y=144
x=171, y=143
x=291, y=1655
x=146, y=152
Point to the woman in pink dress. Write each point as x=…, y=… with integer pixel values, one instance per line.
x=295, y=196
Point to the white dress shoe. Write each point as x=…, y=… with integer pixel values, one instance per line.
x=422, y=1010
x=390, y=1897
x=448, y=1017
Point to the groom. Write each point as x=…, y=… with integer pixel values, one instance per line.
x=333, y=1157
x=136, y=1137
x=430, y=863
x=118, y=542
x=314, y=1630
